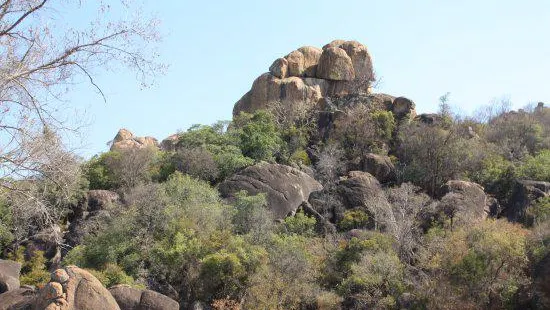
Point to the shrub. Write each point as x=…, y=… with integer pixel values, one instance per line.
x=300, y=224
x=33, y=270
x=354, y=219
x=537, y=167
x=259, y=136
x=112, y=274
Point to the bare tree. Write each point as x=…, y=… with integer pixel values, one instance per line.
x=41, y=58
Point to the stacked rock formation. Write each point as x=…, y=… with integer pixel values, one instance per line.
x=309, y=74
x=72, y=288
x=126, y=140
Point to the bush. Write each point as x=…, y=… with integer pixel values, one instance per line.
x=98, y=174
x=300, y=224
x=537, y=167
x=496, y=174
x=33, y=270
x=222, y=146
x=354, y=219
x=112, y=274
x=259, y=136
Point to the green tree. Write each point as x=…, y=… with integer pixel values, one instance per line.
x=259, y=136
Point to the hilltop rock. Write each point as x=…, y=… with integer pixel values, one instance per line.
x=286, y=187
x=9, y=275
x=129, y=298
x=336, y=65
x=279, y=68
x=302, y=62
x=429, y=118
x=524, y=195
x=125, y=139
x=309, y=74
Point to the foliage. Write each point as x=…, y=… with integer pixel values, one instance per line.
x=363, y=130
x=536, y=167
x=484, y=262
x=252, y=217
x=496, y=174
x=33, y=270
x=517, y=134
x=300, y=224
x=259, y=136
x=432, y=155
x=354, y=219
x=290, y=266
x=219, y=148
x=112, y=274
x=98, y=174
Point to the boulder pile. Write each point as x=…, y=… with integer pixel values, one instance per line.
x=309, y=74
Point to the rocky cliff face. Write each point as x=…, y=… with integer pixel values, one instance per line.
x=309, y=74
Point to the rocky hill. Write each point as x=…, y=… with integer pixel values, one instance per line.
x=319, y=194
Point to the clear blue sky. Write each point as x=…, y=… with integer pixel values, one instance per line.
x=476, y=50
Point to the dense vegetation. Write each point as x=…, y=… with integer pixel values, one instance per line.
x=172, y=233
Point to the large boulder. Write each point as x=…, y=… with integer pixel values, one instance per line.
x=356, y=190
x=9, y=275
x=309, y=74
x=381, y=167
x=18, y=299
x=402, y=107
x=125, y=140
x=359, y=188
x=301, y=63
x=335, y=65
x=360, y=58
x=129, y=298
x=73, y=288
x=464, y=202
x=524, y=195
x=286, y=187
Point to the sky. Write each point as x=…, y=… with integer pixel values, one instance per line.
x=479, y=51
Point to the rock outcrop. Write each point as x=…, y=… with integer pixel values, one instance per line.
x=309, y=74
x=73, y=288
x=9, y=275
x=381, y=167
x=125, y=140
x=169, y=144
x=286, y=187
x=354, y=191
x=85, y=217
x=524, y=194
x=464, y=202
x=19, y=299
x=129, y=298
